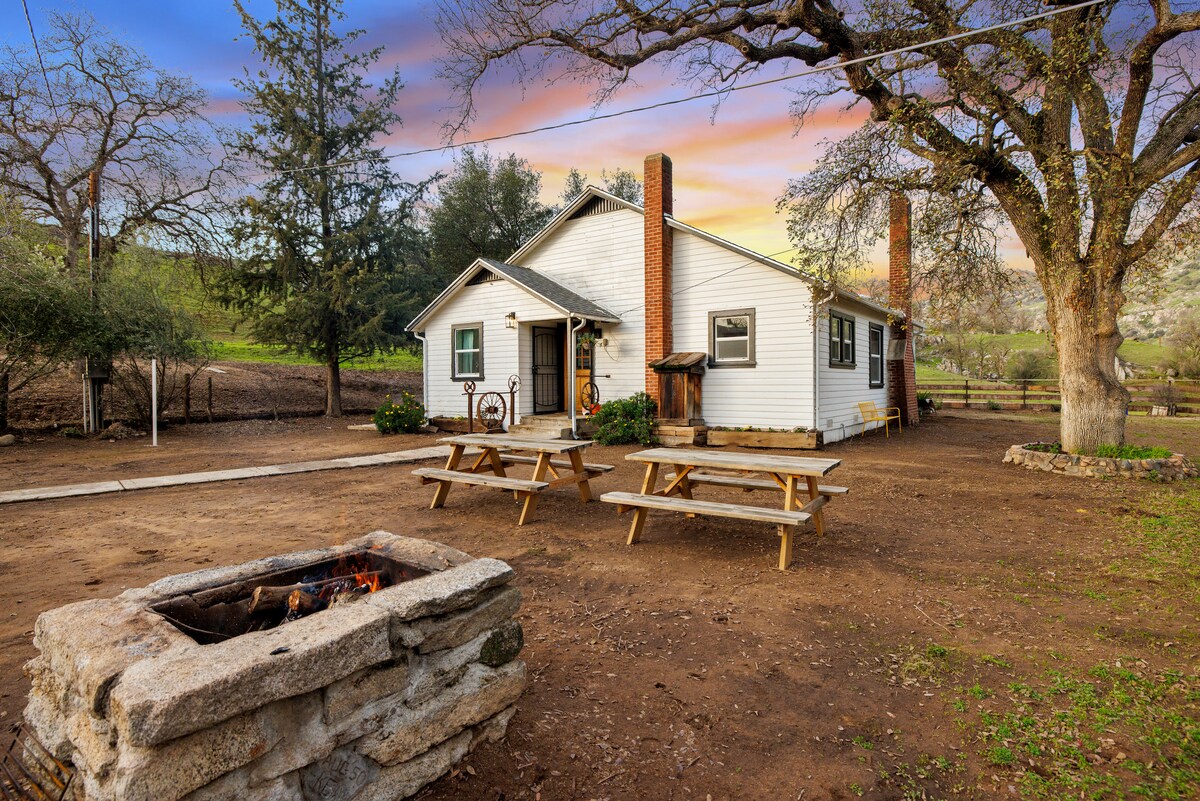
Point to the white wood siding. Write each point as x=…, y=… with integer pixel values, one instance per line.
x=505, y=350
x=842, y=389
x=778, y=391
x=601, y=258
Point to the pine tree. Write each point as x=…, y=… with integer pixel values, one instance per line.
x=329, y=247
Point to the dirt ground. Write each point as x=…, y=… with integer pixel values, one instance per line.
x=685, y=667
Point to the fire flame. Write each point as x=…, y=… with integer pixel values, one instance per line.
x=370, y=581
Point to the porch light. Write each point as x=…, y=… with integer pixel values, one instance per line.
x=510, y=320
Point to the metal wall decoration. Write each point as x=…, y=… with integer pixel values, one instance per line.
x=469, y=391
x=589, y=398
x=514, y=383
x=491, y=410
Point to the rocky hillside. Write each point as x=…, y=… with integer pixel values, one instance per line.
x=1147, y=316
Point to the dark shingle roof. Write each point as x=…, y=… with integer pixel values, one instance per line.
x=552, y=292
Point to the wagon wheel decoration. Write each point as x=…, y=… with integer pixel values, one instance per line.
x=514, y=383
x=491, y=410
x=469, y=388
x=589, y=398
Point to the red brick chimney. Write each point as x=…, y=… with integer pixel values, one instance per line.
x=657, y=242
x=902, y=377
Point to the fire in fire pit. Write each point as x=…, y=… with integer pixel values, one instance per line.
x=267, y=601
x=359, y=672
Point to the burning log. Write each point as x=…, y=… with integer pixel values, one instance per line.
x=301, y=603
x=266, y=600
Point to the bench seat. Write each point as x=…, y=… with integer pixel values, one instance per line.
x=508, y=458
x=778, y=516
x=429, y=475
x=746, y=483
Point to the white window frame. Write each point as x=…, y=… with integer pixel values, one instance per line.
x=749, y=360
x=455, y=375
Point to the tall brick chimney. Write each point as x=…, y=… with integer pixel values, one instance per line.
x=902, y=377
x=657, y=242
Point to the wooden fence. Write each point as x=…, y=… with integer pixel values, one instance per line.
x=1044, y=394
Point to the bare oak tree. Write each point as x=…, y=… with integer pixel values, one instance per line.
x=1082, y=130
x=108, y=109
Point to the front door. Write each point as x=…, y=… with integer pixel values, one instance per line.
x=547, y=370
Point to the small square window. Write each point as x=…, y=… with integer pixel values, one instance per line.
x=731, y=338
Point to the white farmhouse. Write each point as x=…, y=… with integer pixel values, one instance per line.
x=608, y=287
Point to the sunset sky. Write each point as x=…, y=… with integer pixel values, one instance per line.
x=729, y=168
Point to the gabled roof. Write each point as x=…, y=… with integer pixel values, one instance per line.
x=566, y=301
x=593, y=192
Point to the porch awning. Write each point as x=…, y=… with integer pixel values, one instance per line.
x=554, y=293
x=565, y=301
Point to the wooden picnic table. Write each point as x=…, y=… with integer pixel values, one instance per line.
x=500, y=451
x=788, y=474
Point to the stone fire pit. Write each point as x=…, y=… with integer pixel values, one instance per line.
x=368, y=700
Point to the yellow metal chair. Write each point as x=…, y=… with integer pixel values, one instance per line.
x=873, y=414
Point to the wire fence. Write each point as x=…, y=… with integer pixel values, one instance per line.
x=1043, y=393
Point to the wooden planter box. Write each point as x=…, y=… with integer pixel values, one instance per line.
x=452, y=425
x=810, y=440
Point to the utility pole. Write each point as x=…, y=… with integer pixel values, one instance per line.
x=95, y=369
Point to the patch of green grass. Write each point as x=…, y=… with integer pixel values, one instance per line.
x=253, y=352
x=927, y=373
x=978, y=692
x=935, y=651
x=1121, y=731
x=863, y=743
x=1164, y=549
x=995, y=660
x=1132, y=452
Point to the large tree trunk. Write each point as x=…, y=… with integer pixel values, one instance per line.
x=333, y=386
x=1094, y=402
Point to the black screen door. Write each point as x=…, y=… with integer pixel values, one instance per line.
x=547, y=370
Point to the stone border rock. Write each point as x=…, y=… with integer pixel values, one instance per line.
x=1175, y=468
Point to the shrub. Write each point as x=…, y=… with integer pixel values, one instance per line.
x=994, y=405
x=1132, y=452
x=1026, y=365
x=626, y=420
x=405, y=417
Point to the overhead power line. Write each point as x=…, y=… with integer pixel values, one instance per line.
x=703, y=95
x=41, y=64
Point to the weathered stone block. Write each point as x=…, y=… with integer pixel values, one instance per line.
x=358, y=689
x=480, y=694
x=236, y=787
x=338, y=777
x=492, y=730
x=48, y=723
x=450, y=631
x=403, y=780
x=88, y=644
x=171, y=771
x=503, y=644
x=417, y=552
x=440, y=593
x=95, y=743
x=161, y=699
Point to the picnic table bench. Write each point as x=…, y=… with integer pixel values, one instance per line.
x=498, y=452
x=788, y=474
